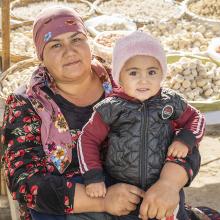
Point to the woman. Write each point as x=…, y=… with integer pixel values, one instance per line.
x=43, y=121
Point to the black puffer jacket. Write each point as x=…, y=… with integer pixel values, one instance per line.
x=139, y=135
x=137, y=151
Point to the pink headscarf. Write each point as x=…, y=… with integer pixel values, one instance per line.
x=52, y=22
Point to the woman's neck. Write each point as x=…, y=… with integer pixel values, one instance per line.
x=83, y=92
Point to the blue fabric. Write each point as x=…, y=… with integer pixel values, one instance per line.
x=77, y=179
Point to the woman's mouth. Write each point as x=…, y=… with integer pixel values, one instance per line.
x=71, y=63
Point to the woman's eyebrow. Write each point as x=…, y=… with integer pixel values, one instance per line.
x=54, y=40
x=73, y=35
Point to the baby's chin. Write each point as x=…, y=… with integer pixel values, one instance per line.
x=145, y=97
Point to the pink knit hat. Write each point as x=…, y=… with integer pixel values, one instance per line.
x=52, y=22
x=136, y=43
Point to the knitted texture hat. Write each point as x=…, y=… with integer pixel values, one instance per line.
x=136, y=43
x=52, y=22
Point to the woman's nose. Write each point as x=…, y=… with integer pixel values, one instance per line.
x=69, y=49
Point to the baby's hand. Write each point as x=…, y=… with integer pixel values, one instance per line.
x=96, y=190
x=177, y=149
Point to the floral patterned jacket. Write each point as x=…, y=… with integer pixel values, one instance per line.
x=31, y=177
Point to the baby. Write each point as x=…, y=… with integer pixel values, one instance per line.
x=144, y=122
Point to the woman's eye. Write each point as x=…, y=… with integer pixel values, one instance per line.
x=152, y=72
x=56, y=45
x=74, y=40
x=133, y=73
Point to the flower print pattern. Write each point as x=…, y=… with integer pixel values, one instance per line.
x=51, y=147
x=58, y=156
x=69, y=185
x=22, y=189
x=75, y=135
x=37, y=104
x=107, y=87
x=24, y=158
x=34, y=190
x=60, y=123
x=47, y=36
x=106, y=83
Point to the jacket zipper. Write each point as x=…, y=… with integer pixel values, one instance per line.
x=143, y=149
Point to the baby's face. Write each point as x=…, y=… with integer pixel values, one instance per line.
x=141, y=77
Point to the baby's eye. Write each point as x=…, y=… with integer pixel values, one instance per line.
x=133, y=73
x=152, y=72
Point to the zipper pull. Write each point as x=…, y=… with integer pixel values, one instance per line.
x=141, y=107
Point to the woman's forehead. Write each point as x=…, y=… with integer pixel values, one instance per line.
x=67, y=35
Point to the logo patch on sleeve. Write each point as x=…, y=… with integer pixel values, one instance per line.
x=167, y=111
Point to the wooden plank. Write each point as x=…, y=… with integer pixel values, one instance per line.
x=13, y=207
x=2, y=178
x=5, y=4
x=5, y=35
x=4, y=208
x=3, y=184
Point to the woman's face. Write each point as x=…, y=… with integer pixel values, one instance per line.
x=68, y=57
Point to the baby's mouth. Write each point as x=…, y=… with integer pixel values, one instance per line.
x=143, y=89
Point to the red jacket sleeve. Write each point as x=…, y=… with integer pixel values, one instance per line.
x=89, y=146
x=192, y=126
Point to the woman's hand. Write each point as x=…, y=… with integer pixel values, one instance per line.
x=122, y=198
x=159, y=201
x=163, y=197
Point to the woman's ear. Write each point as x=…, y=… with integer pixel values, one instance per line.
x=119, y=82
x=120, y=85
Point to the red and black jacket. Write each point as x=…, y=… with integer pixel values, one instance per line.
x=139, y=134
